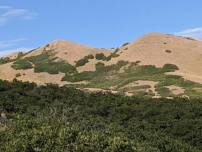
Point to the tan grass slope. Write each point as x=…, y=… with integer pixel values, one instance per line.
x=64, y=50
x=68, y=51
x=159, y=49
x=151, y=49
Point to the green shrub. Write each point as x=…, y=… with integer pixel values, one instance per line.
x=101, y=71
x=84, y=60
x=164, y=92
x=17, y=75
x=169, y=68
x=83, y=76
x=20, y=55
x=53, y=67
x=100, y=66
x=114, y=55
x=168, y=51
x=90, y=56
x=44, y=62
x=22, y=64
x=45, y=56
x=125, y=44
x=5, y=60
x=100, y=56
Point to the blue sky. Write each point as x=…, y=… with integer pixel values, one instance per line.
x=27, y=24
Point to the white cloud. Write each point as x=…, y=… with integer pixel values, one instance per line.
x=11, y=46
x=4, y=7
x=7, y=52
x=192, y=32
x=8, y=14
x=11, y=43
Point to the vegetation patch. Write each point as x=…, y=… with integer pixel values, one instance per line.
x=101, y=71
x=44, y=62
x=54, y=67
x=125, y=44
x=101, y=56
x=5, y=60
x=84, y=60
x=169, y=68
x=17, y=75
x=164, y=92
x=106, y=77
x=22, y=64
x=168, y=51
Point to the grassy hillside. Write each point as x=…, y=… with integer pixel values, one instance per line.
x=117, y=77
x=49, y=118
x=137, y=68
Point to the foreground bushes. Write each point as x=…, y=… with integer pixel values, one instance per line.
x=49, y=118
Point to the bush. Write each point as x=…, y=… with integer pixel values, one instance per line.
x=83, y=76
x=53, y=67
x=20, y=55
x=125, y=44
x=44, y=63
x=22, y=64
x=84, y=60
x=100, y=56
x=100, y=66
x=90, y=56
x=81, y=62
x=169, y=68
x=5, y=60
x=168, y=51
x=101, y=71
x=17, y=75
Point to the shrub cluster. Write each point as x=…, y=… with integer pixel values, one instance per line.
x=5, y=60
x=84, y=60
x=44, y=63
x=22, y=64
x=101, y=70
x=101, y=56
x=125, y=44
x=170, y=68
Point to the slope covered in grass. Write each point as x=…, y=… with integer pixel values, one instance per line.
x=121, y=74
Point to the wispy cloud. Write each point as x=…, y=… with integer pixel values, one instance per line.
x=8, y=14
x=7, y=52
x=4, y=7
x=11, y=46
x=192, y=32
x=11, y=43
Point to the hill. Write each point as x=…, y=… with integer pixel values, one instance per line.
x=155, y=65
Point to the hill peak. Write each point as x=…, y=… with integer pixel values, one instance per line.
x=159, y=36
